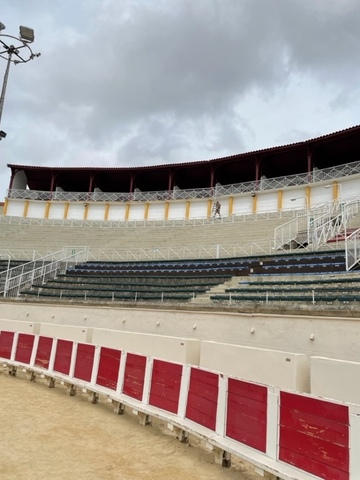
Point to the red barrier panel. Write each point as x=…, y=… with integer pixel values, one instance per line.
x=108, y=371
x=134, y=375
x=165, y=385
x=6, y=342
x=24, y=348
x=63, y=356
x=314, y=436
x=43, y=352
x=202, y=398
x=84, y=361
x=247, y=413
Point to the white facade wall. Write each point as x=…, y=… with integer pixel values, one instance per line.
x=36, y=209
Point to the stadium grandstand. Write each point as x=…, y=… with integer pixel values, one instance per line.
x=236, y=324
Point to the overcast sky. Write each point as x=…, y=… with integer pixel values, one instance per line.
x=147, y=82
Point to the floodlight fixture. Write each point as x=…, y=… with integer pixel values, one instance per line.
x=27, y=34
x=15, y=50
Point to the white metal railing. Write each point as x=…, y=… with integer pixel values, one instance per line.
x=352, y=251
x=44, y=268
x=298, y=229
x=177, y=194
x=332, y=224
x=316, y=226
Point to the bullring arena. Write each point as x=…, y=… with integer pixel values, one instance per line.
x=227, y=341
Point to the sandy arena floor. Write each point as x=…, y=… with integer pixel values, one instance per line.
x=46, y=434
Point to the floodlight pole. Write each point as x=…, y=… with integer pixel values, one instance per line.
x=13, y=54
x=4, y=85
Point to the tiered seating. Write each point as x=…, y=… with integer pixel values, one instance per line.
x=102, y=239
x=185, y=280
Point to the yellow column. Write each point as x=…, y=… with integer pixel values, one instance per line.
x=209, y=208
x=187, y=210
x=66, y=210
x=5, y=206
x=254, y=204
x=231, y=205
x=86, y=210
x=47, y=209
x=280, y=200
x=337, y=191
x=146, y=213
x=106, y=213
x=127, y=211
x=26, y=208
x=167, y=207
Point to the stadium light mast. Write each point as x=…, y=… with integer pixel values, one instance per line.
x=14, y=50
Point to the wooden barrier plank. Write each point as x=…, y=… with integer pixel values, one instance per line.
x=246, y=419
x=314, y=435
x=24, y=347
x=84, y=361
x=108, y=370
x=203, y=397
x=134, y=375
x=63, y=356
x=43, y=352
x=6, y=343
x=165, y=385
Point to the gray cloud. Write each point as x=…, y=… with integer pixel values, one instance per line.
x=134, y=82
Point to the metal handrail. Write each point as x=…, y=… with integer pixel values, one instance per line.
x=44, y=268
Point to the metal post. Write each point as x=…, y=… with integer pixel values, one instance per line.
x=6, y=76
x=7, y=276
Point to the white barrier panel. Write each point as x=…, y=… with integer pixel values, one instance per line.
x=271, y=367
x=19, y=326
x=336, y=379
x=175, y=349
x=80, y=334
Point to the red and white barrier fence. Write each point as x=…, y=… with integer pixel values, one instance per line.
x=290, y=435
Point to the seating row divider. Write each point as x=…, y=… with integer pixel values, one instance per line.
x=287, y=434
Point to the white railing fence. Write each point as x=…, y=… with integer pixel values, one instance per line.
x=12, y=280
x=316, y=226
x=352, y=251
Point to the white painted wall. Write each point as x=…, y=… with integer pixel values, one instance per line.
x=271, y=367
x=156, y=211
x=336, y=379
x=15, y=208
x=96, y=211
x=76, y=211
x=242, y=204
x=137, y=211
x=177, y=210
x=116, y=212
x=36, y=209
x=198, y=208
x=57, y=210
x=332, y=337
